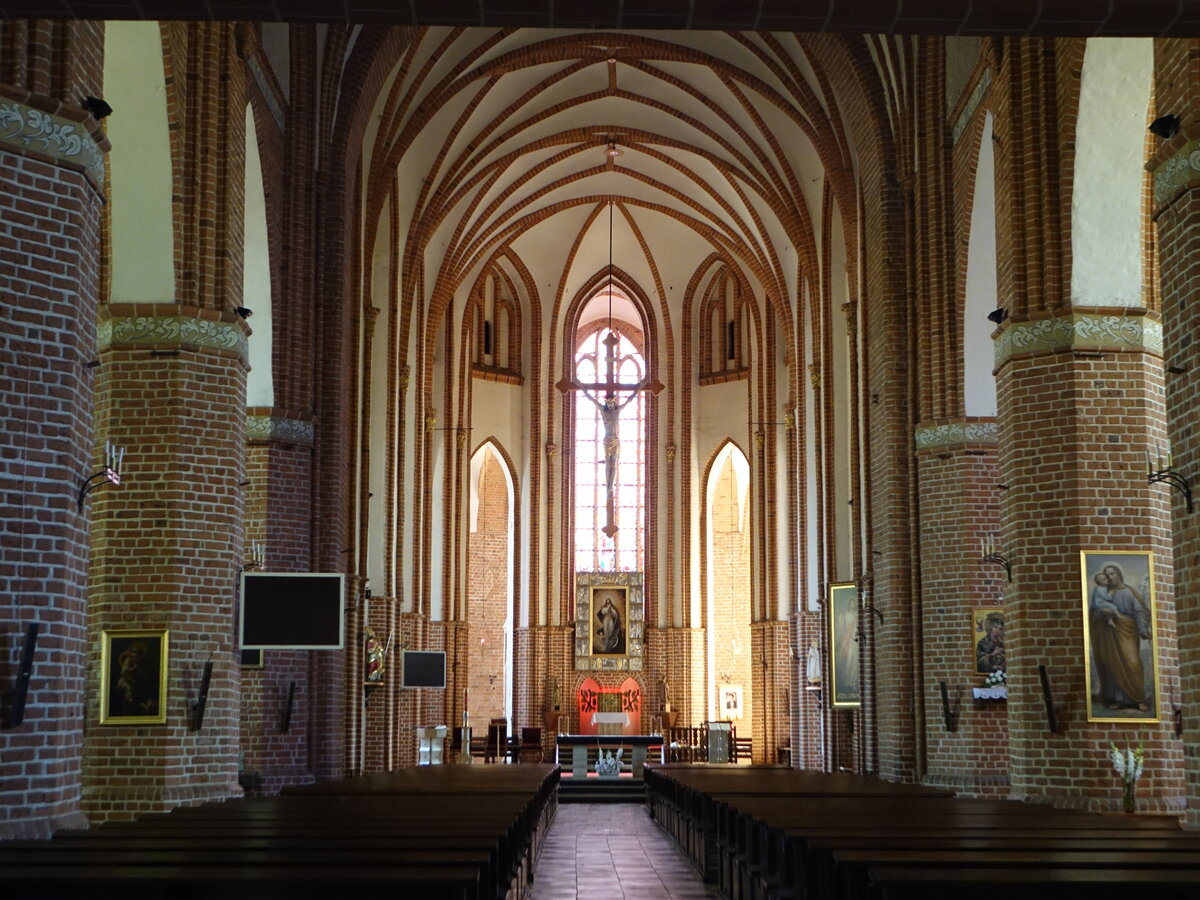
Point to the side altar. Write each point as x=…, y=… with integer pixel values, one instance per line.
x=586, y=747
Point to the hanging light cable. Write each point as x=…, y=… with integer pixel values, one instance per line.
x=610, y=269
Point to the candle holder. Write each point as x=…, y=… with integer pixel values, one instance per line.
x=1162, y=471
x=114, y=456
x=992, y=555
x=257, y=558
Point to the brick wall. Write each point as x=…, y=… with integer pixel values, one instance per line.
x=731, y=661
x=1074, y=429
x=277, y=503
x=49, y=231
x=166, y=552
x=805, y=738
x=487, y=593
x=1177, y=219
x=959, y=506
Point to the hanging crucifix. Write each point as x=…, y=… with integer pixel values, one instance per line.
x=607, y=397
x=610, y=396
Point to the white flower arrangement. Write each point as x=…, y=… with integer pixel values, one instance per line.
x=609, y=764
x=1128, y=763
x=996, y=679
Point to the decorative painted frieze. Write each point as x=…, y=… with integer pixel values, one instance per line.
x=1174, y=174
x=963, y=431
x=280, y=429
x=29, y=128
x=964, y=118
x=183, y=330
x=1079, y=331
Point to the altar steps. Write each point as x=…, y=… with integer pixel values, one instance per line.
x=601, y=790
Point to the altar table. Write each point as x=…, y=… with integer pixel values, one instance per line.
x=639, y=744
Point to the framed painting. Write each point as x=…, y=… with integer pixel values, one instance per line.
x=842, y=604
x=133, y=677
x=1120, y=646
x=987, y=640
x=609, y=619
x=731, y=697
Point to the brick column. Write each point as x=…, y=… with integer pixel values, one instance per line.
x=167, y=549
x=956, y=466
x=806, y=743
x=51, y=166
x=278, y=500
x=1176, y=203
x=771, y=688
x=1080, y=400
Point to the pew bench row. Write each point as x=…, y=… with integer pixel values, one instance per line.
x=765, y=834
x=447, y=833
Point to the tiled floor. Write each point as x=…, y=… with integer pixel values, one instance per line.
x=612, y=851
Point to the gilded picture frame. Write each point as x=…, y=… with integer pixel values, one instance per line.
x=1120, y=637
x=609, y=621
x=842, y=609
x=133, y=677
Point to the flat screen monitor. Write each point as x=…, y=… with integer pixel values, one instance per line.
x=293, y=611
x=424, y=669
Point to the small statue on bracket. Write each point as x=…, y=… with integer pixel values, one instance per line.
x=375, y=654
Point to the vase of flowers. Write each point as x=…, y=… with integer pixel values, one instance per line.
x=1128, y=764
x=996, y=679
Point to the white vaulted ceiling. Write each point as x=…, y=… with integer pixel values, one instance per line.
x=498, y=141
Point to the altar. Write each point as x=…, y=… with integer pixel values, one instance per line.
x=609, y=723
x=585, y=748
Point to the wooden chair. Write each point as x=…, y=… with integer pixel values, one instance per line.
x=531, y=745
x=497, y=741
x=740, y=747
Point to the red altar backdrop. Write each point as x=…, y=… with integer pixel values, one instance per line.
x=627, y=699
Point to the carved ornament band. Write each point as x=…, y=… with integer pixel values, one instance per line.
x=184, y=328
x=1080, y=331
x=960, y=431
x=53, y=134
x=1177, y=172
x=262, y=428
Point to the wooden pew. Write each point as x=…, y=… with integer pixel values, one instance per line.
x=454, y=834
x=941, y=883
x=812, y=835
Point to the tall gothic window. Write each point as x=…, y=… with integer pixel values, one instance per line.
x=622, y=550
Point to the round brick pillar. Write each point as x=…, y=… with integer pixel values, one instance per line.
x=1080, y=401
x=50, y=209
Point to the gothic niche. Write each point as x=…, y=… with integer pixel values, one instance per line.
x=610, y=710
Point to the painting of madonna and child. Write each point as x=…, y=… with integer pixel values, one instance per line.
x=1120, y=646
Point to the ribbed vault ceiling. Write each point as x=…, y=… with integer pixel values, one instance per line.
x=725, y=144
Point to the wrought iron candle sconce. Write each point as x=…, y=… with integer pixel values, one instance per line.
x=1161, y=470
x=992, y=555
x=114, y=457
x=257, y=557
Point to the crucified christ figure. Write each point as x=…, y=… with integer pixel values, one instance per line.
x=610, y=415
